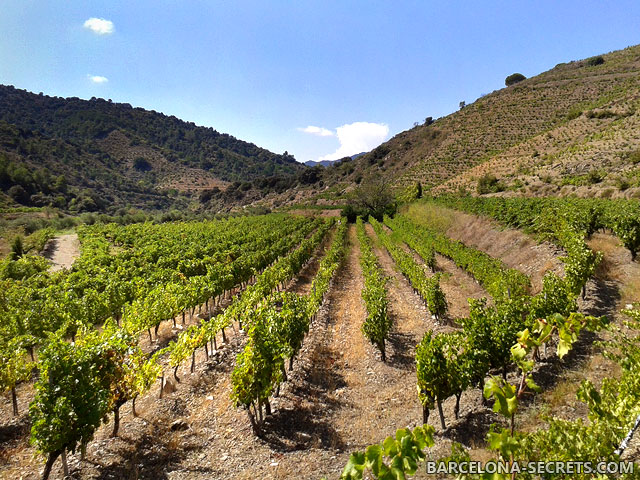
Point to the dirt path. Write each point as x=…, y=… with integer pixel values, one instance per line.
x=301, y=284
x=406, y=307
x=458, y=287
x=62, y=251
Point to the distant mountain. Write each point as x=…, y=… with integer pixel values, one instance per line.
x=94, y=154
x=322, y=163
x=328, y=163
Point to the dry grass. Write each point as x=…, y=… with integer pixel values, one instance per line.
x=610, y=248
x=630, y=292
x=434, y=216
x=617, y=266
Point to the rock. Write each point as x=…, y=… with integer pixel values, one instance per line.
x=169, y=386
x=179, y=425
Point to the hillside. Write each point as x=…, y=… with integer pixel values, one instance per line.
x=93, y=155
x=572, y=129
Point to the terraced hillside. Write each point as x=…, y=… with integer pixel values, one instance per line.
x=573, y=128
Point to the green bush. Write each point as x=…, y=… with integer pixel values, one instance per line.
x=574, y=112
x=600, y=114
x=596, y=176
x=141, y=164
x=595, y=61
x=622, y=183
x=16, y=248
x=488, y=183
x=514, y=78
x=634, y=157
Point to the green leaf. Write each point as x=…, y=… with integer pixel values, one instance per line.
x=423, y=436
x=390, y=447
x=518, y=352
x=373, y=458
x=354, y=467
x=532, y=385
x=397, y=468
x=564, y=347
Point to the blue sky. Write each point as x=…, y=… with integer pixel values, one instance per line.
x=357, y=72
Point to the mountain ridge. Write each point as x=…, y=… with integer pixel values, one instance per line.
x=121, y=152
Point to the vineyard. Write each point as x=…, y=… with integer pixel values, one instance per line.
x=284, y=346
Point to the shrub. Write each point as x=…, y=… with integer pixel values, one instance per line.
x=574, y=112
x=488, y=183
x=634, y=157
x=622, y=183
x=514, y=78
x=410, y=194
x=141, y=164
x=595, y=61
x=600, y=114
x=19, y=194
x=607, y=193
x=16, y=248
x=596, y=176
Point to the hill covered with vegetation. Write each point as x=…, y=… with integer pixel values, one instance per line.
x=571, y=130
x=95, y=155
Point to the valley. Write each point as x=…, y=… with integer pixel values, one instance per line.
x=181, y=304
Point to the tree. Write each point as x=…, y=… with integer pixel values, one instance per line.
x=141, y=164
x=595, y=61
x=17, y=248
x=462, y=104
x=60, y=184
x=514, y=78
x=373, y=197
x=19, y=194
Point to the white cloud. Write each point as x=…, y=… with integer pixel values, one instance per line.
x=358, y=137
x=319, y=131
x=99, y=79
x=99, y=26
